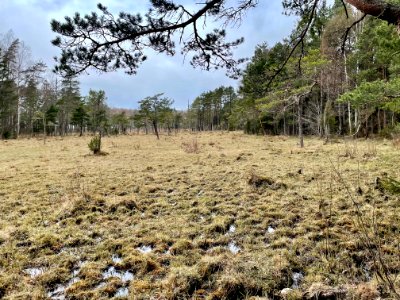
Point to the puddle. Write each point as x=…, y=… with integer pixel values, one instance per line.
x=127, y=276
x=59, y=292
x=233, y=248
x=297, y=279
x=122, y=292
x=34, y=272
x=367, y=273
x=112, y=272
x=76, y=271
x=101, y=285
x=145, y=249
x=73, y=281
x=116, y=259
x=270, y=230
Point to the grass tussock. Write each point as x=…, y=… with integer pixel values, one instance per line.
x=152, y=221
x=192, y=146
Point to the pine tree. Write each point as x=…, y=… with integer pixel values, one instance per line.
x=80, y=117
x=154, y=109
x=97, y=109
x=69, y=100
x=31, y=104
x=8, y=95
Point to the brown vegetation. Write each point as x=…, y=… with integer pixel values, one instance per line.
x=154, y=221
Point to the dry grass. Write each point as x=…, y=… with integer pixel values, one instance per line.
x=152, y=221
x=191, y=146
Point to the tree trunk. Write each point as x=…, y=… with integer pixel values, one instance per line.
x=300, y=121
x=18, y=115
x=44, y=129
x=284, y=122
x=156, y=129
x=100, y=135
x=349, y=112
x=31, y=126
x=326, y=121
x=379, y=121
x=346, y=78
x=384, y=119
x=340, y=118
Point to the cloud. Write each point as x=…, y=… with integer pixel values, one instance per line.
x=30, y=21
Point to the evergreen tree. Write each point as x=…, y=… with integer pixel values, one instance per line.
x=120, y=122
x=8, y=95
x=70, y=99
x=31, y=104
x=154, y=109
x=80, y=117
x=51, y=115
x=97, y=109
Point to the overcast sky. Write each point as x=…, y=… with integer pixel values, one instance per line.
x=30, y=21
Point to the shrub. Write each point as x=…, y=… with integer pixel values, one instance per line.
x=7, y=135
x=388, y=184
x=95, y=144
x=390, y=132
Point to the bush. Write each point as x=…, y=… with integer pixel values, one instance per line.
x=7, y=135
x=390, y=132
x=388, y=184
x=95, y=144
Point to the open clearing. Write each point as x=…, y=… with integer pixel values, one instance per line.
x=246, y=216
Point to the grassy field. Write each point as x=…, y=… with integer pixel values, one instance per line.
x=245, y=217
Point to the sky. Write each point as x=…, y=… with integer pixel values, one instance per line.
x=30, y=22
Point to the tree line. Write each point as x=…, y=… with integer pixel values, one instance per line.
x=35, y=101
x=343, y=80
